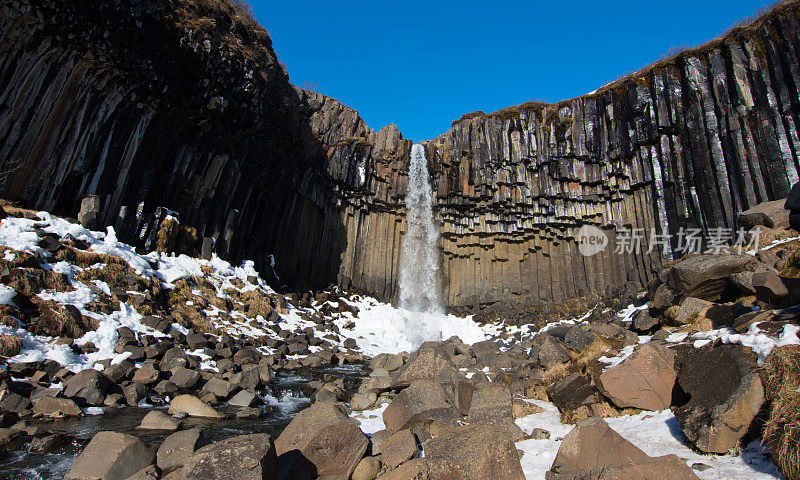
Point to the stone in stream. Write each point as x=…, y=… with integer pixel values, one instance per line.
x=246, y=457
x=13, y=402
x=321, y=441
x=244, y=398
x=158, y=420
x=176, y=449
x=110, y=456
x=135, y=393
x=192, y=406
x=48, y=444
x=56, y=407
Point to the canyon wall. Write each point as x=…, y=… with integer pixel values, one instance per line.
x=164, y=106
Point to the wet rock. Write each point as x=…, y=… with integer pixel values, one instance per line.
x=593, y=450
x=430, y=362
x=418, y=405
x=321, y=441
x=398, y=448
x=644, y=380
x=193, y=407
x=244, y=398
x=110, y=455
x=176, y=449
x=247, y=457
x=87, y=387
x=725, y=395
x=481, y=452
x=158, y=420
x=56, y=407
x=48, y=444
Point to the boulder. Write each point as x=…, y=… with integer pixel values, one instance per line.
x=87, y=387
x=110, y=456
x=549, y=352
x=13, y=402
x=418, y=405
x=725, y=395
x=10, y=345
x=706, y=276
x=158, y=420
x=643, y=322
x=192, y=406
x=480, y=451
x=135, y=393
x=430, y=362
x=492, y=404
x=147, y=374
x=321, y=441
x=643, y=380
x=184, y=378
x=770, y=288
x=363, y=401
x=219, y=387
x=427, y=469
x=246, y=457
x=176, y=449
x=594, y=450
x=767, y=214
x=56, y=407
x=572, y=392
x=398, y=448
x=689, y=310
x=367, y=469
x=89, y=213
x=245, y=398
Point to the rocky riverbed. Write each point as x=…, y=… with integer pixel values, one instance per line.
x=121, y=364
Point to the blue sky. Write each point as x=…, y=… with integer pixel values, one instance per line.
x=422, y=65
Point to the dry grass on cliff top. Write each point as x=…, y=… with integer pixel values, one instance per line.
x=741, y=30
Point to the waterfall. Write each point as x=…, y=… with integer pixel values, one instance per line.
x=419, y=261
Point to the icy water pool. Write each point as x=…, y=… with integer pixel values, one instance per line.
x=288, y=394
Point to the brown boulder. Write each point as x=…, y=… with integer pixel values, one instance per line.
x=430, y=362
x=321, y=441
x=482, y=452
x=767, y=214
x=706, y=276
x=594, y=450
x=725, y=395
x=110, y=456
x=176, y=449
x=420, y=404
x=247, y=457
x=398, y=448
x=643, y=380
x=427, y=469
x=56, y=407
x=493, y=405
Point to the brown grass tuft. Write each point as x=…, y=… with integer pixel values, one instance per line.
x=9, y=345
x=781, y=378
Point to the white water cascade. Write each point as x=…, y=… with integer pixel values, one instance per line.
x=419, y=284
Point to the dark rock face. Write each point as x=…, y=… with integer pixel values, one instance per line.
x=153, y=111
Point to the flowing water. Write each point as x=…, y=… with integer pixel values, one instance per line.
x=287, y=394
x=419, y=268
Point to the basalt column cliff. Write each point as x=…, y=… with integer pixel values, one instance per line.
x=181, y=106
